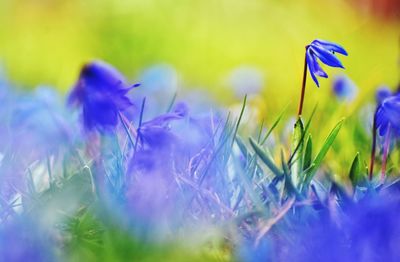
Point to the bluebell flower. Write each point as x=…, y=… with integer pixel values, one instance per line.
x=153, y=193
x=366, y=230
x=102, y=92
x=34, y=127
x=173, y=149
x=344, y=89
x=43, y=123
x=388, y=115
x=325, y=52
x=382, y=93
x=246, y=80
x=21, y=240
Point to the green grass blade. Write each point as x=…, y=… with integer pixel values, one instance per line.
x=239, y=119
x=265, y=158
x=297, y=142
x=307, y=160
x=355, y=173
x=274, y=125
x=304, y=134
x=322, y=153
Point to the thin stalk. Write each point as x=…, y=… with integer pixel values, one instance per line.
x=48, y=163
x=385, y=153
x=139, y=125
x=303, y=88
x=126, y=128
x=373, y=149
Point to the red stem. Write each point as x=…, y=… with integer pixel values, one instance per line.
x=385, y=153
x=372, y=161
x=303, y=88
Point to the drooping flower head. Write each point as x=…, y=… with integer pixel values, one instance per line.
x=388, y=115
x=102, y=92
x=325, y=52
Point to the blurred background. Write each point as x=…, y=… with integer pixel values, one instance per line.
x=225, y=47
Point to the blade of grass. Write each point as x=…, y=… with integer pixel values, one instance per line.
x=274, y=124
x=322, y=153
x=265, y=158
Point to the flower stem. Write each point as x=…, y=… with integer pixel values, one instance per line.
x=303, y=88
x=373, y=149
x=124, y=124
x=385, y=153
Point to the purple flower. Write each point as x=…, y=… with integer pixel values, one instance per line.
x=102, y=92
x=382, y=93
x=21, y=240
x=367, y=230
x=344, y=89
x=172, y=149
x=388, y=115
x=325, y=52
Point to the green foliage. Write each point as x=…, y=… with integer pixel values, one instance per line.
x=316, y=163
x=265, y=157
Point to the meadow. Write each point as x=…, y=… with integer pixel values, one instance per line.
x=199, y=130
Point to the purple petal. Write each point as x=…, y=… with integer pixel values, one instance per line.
x=311, y=62
x=330, y=46
x=325, y=56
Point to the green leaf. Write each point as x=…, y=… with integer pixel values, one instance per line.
x=239, y=119
x=321, y=154
x=297, y=147
x=248, y=186
x=265, y=158
x=356, y=174
x=241, y=145
x=289, y=185
x=307, y=154
x=274, y=125
x=304, y=133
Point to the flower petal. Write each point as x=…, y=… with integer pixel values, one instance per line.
x=330, y=46
x=325, y=56
x=314, y=67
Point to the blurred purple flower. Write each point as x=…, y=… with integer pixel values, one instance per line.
x=344, y=89
x=382, y=93
x=42, y=122
x=170, y=148
x=21, y=241
x=368, y=231
x=246, y=80
x=153, y=189
x=36, y=128
x=325, y=52
x=388, y=115
x=102, y=92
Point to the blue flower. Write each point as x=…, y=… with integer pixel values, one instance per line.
x=388, y=115
x=382, y=93
x=344, y=88
x=23, y=240
x=325, y=52
x=366, y=232
x=102, y=92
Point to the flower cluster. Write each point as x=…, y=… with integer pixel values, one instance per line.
x=136, y=179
